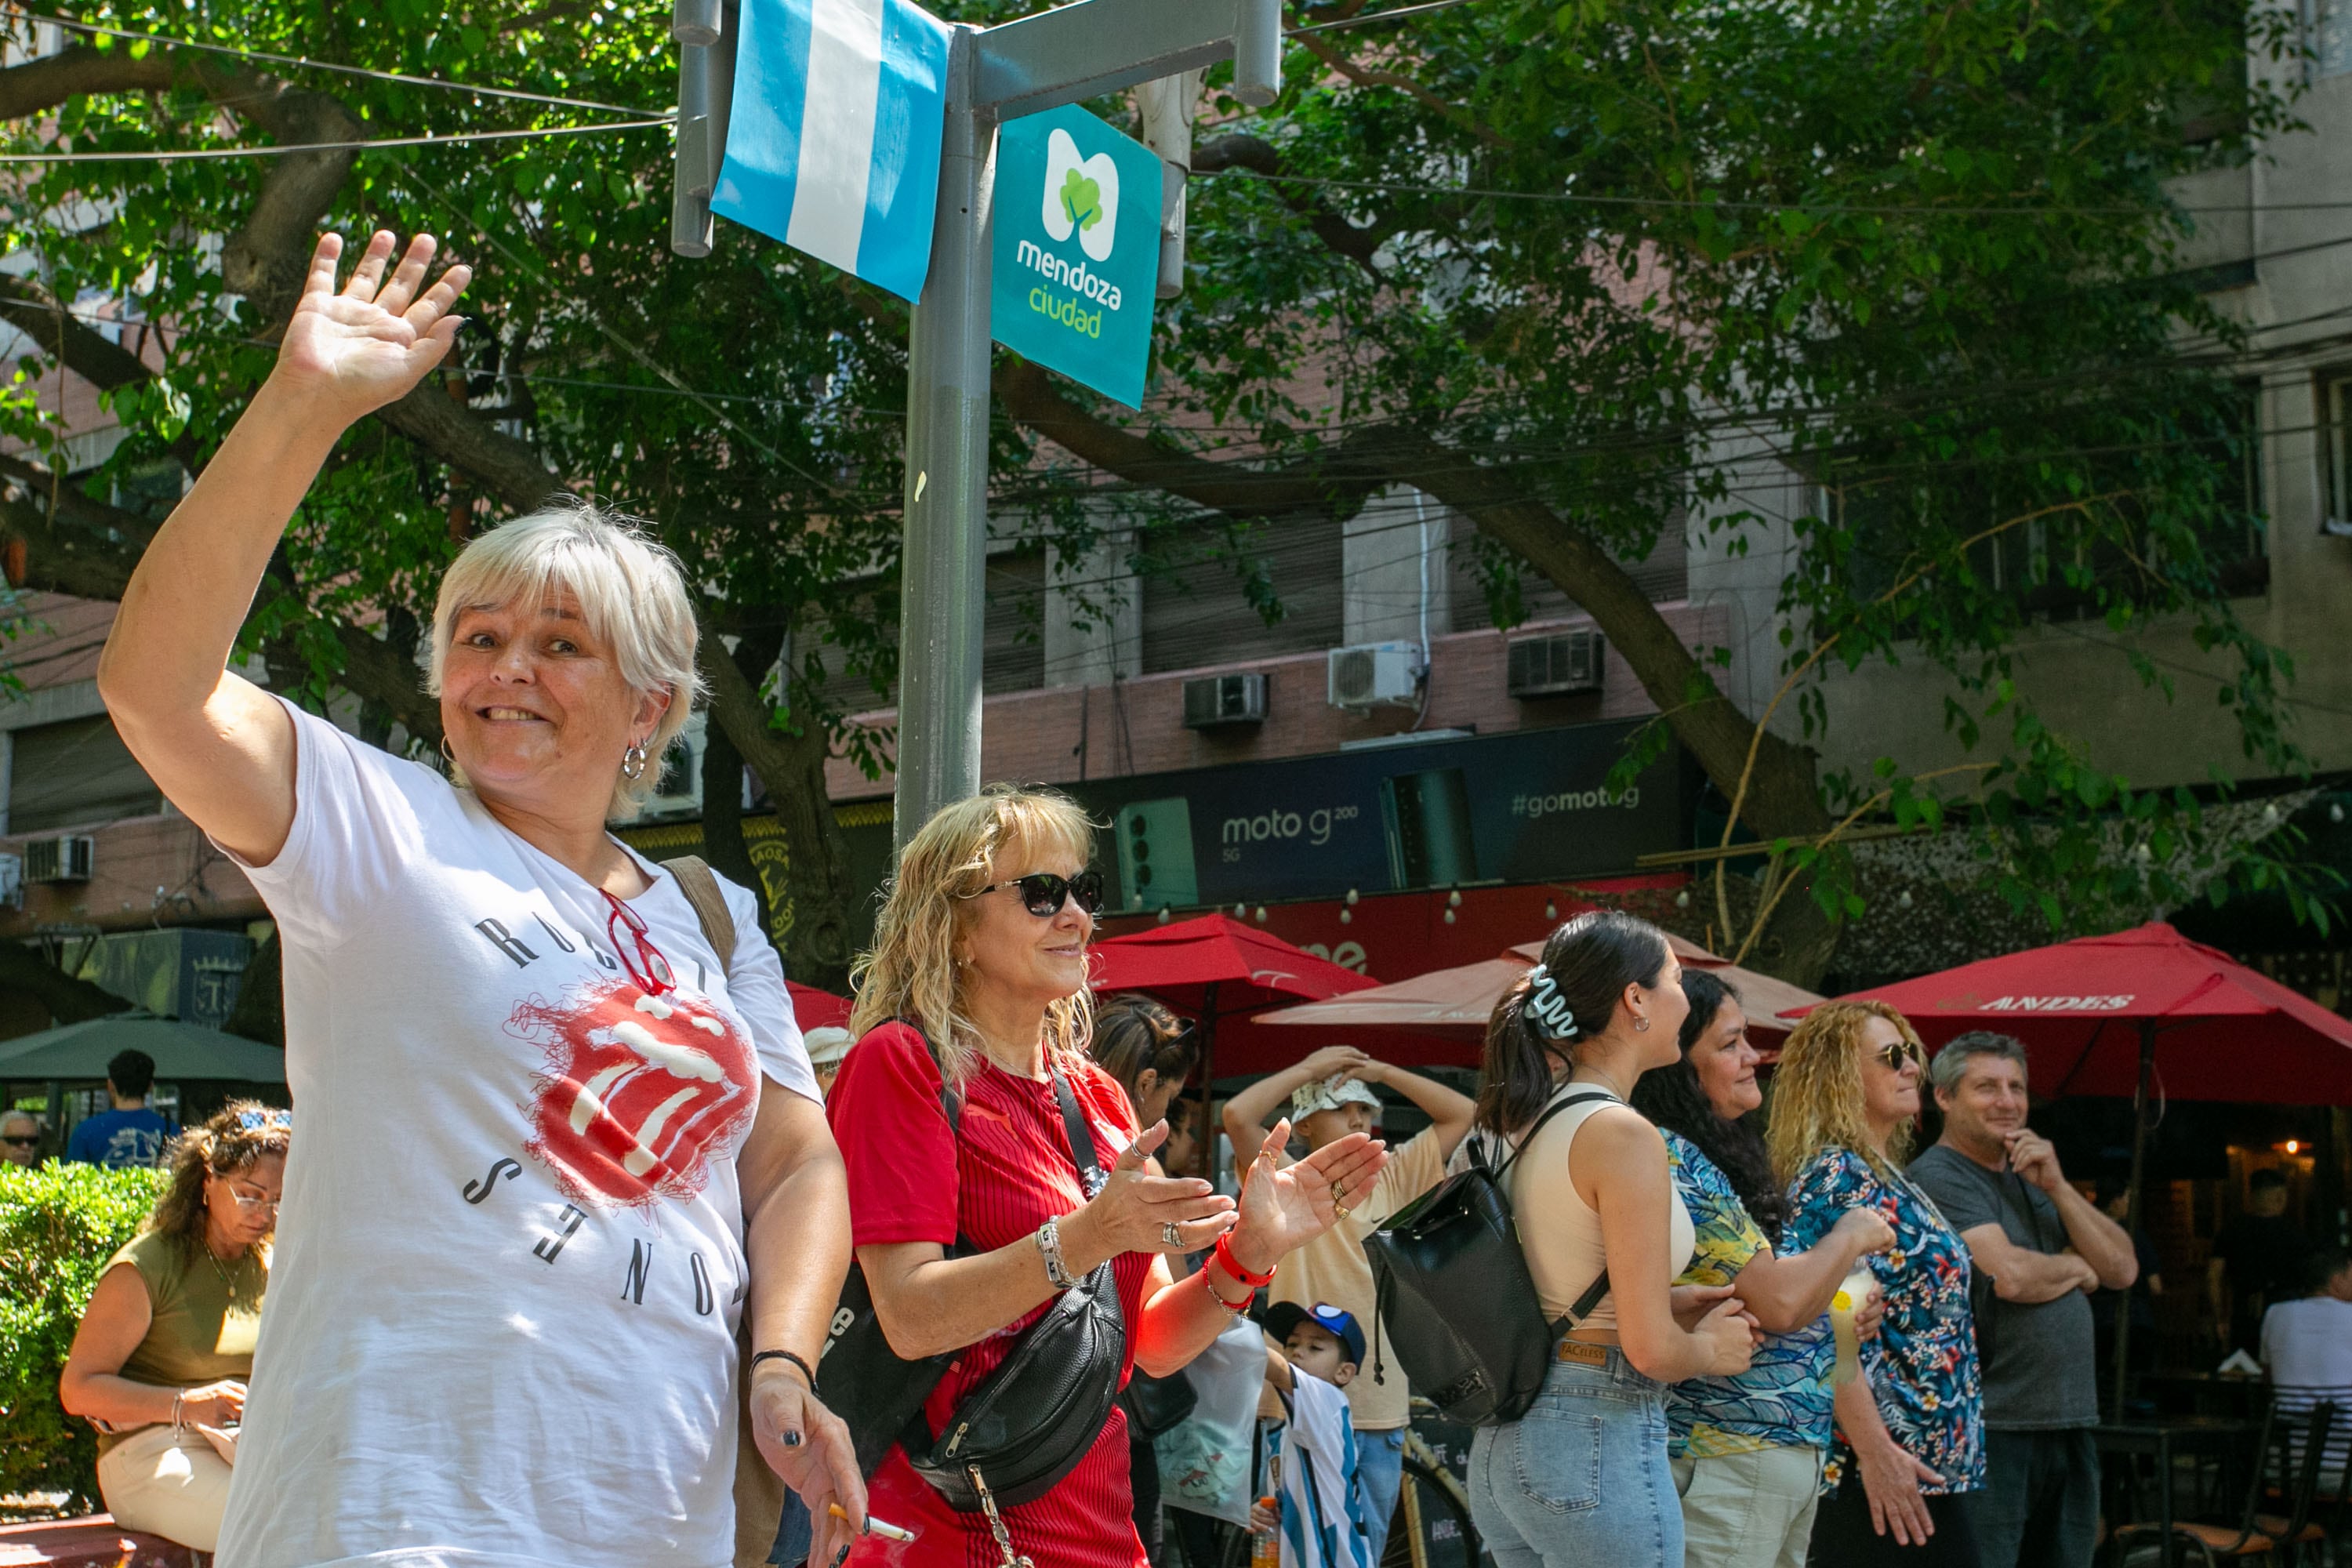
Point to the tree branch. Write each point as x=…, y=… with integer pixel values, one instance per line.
x=816, y=946
x=33, y=311
x=24, y=973
x=38, y=86
x=1260, y=156
x=1028, y=393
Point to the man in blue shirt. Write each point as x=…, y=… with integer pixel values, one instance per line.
x=129, y=1134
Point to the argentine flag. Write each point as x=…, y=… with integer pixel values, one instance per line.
x=834, y=144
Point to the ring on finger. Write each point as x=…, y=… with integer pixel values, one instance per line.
x=1170, y=1235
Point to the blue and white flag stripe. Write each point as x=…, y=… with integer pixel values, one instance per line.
x=834, y=144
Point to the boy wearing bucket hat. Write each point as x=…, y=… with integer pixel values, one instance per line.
x=1330, y=1095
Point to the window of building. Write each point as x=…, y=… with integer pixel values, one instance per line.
x=2331, y=36
x=74, y=774
x=1197, y=608
x=2336, y=439
x=1012, y=646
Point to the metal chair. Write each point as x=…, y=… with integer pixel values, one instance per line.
x=2214, y=1543
x=2298, y=1528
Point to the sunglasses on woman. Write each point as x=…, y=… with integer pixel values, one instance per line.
x=1894, y=1055
x=1043, y=893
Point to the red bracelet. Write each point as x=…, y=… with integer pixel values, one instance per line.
x=1232, y=1266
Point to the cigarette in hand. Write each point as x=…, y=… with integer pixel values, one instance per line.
x=873, y=1526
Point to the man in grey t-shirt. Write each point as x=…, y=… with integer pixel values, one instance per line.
x=2043, y=1244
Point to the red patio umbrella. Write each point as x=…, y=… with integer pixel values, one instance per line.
x=815, y=1009
x=1452, y=1006
x=1215, y=969
x=2124, y=1014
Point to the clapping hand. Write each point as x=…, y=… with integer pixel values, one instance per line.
x=347, y=353
x=1135, y=1209
x=1283, y=1207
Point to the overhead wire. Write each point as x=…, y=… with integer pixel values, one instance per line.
x=453, y=138
x=308, y=62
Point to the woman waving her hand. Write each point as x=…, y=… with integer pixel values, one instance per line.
x=556, y=1144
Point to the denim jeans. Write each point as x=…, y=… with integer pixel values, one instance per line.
x=2040, y=1506
x=1582, y=1478
x=1379, y=1475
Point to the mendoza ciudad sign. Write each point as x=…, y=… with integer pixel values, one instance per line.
x=1077, y=248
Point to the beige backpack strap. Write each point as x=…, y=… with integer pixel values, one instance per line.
x=759, y=1490
x=700, y=885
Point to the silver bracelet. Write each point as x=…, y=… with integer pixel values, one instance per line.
x=1049, y=1247
x=179, y=1404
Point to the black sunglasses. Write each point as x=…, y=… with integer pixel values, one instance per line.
x=26, y=1141
x=1041, y=894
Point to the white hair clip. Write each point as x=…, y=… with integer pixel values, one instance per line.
x=1546, y=1011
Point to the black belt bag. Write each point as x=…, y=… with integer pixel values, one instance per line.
x=1028, y=1424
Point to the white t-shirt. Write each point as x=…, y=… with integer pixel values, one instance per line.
x=2307, y=1350
x=502, y=1321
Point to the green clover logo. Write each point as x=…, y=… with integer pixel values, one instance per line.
x=1081, y=199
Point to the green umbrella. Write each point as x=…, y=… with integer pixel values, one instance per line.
x=183, y=1052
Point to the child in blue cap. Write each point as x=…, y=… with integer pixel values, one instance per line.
x=1321, y=1516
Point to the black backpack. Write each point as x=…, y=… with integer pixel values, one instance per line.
x=1455, y=1298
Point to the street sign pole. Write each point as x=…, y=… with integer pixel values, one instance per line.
x=943, y=571
x=1039, y=62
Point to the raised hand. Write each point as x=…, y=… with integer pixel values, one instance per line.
x=1283, y=1207
x=1335, y=1061
x=1135, y=1208
x=347, y=353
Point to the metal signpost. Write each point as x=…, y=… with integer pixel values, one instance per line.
x=993, y=75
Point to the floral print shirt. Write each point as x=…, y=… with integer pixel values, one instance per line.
x=1923, y=1365
x=1782, y=1400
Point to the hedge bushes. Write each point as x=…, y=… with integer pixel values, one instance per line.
x=59, y=1226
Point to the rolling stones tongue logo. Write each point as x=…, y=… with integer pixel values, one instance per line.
x=638, y=1091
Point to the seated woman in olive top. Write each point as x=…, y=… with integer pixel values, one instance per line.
x=165, y=1347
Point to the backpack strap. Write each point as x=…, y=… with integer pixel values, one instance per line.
x=1599, y=1286
x=700, y=885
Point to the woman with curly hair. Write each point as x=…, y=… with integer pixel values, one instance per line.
x=1746, y=1449
x=1909, y=1450
x=961, y=1112
x=165, y=1346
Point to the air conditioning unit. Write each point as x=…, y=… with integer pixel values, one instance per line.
x=1376, y=675
x=1555, y=666
x=1218, y=699
x=63, y=859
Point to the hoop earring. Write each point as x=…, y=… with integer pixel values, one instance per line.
x=1641, y=1025
x=633, y=761
x=447, y=755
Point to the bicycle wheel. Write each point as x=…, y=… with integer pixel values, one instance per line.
x=1431, y=1528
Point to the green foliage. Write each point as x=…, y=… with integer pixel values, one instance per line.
x=60, y=1225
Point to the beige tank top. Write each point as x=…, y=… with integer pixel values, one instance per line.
x=1560, y=1232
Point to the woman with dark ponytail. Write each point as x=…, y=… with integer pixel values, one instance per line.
x=1584, y=1478
x=1746, y=1449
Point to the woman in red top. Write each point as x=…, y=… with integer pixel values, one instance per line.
x=982, y=942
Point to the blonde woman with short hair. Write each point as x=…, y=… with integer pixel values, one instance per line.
x=977, y=987
x=1908, y=1455
x=555, y=1145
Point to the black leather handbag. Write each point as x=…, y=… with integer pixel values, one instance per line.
x=1028, y=1424
x=1157, y=1405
